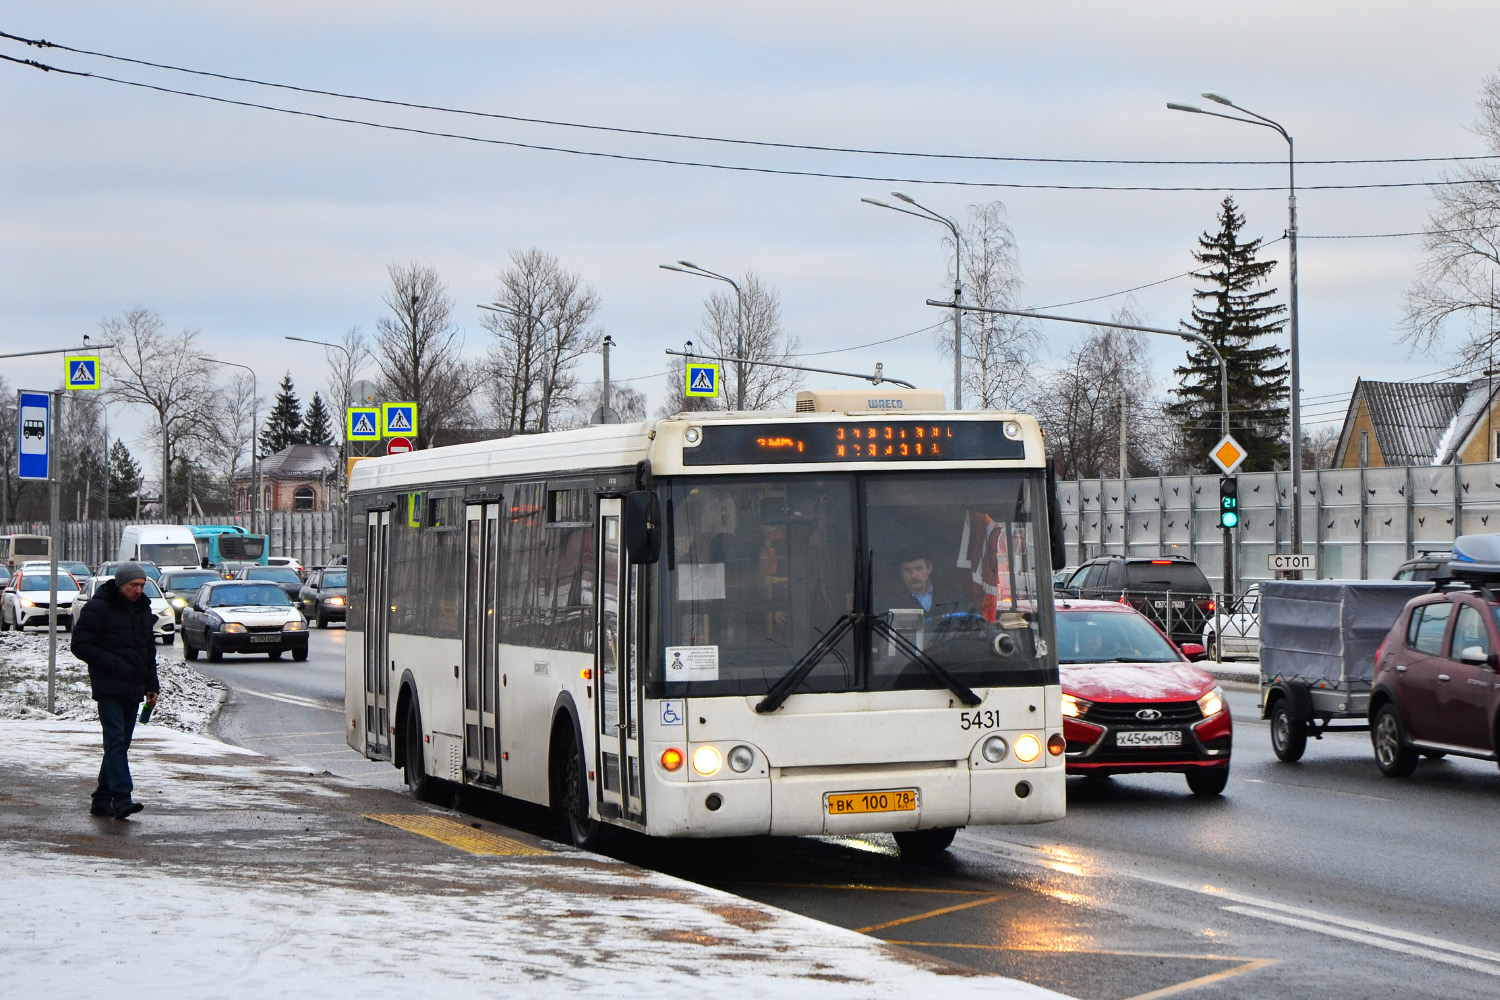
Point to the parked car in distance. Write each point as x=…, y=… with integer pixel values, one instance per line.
x=283, y=576
x=26, y=600
x=1435, y=690
x=179, y=586
x=1428, y=564
x=1172, y=591
x=242, y=616
x=108, y=569
x=227, y=570
x=77, y=570
x=324, y=594
x=1132, y=702
x=165, y=627
x=1233, y=629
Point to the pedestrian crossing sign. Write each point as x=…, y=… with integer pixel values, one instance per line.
x=700, y=379
x=398, y=420
x=82, y=371
x=363, y=423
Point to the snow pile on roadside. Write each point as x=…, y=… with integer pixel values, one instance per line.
x=189, y=700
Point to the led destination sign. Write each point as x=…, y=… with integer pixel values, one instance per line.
x=890, y=441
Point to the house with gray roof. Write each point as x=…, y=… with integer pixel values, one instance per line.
x=302, y=477
x=1419, y=423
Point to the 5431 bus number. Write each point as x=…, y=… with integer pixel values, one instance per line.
x=988, y=718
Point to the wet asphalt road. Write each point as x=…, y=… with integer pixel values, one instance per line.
x=1315, y=879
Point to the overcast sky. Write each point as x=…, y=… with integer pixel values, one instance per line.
x=250, y=225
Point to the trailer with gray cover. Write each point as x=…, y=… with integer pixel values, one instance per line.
x=1318, y=640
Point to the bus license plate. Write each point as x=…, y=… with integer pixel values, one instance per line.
x=848, y=803
x=1149, y=738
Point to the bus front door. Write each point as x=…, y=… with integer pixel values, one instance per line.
x=481, y=693
x=377, y=636
x=616, y=678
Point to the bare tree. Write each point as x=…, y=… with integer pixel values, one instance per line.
x=345, y=366
x=764, y=340
x=999, y=352
x=161, y=373
x=1081, y=404
x=233, y=433
x=419, y=350
x=628, y=403
x=538, y=340
x=1458, y=277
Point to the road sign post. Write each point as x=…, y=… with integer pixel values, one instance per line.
x=34, y=453
x=37, y=412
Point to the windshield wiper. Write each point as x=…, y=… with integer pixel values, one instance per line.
x=782, y=689
x=915, y=654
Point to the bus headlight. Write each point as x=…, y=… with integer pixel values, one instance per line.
x=994, y=749
x=740, y=759
x=1028, y=748
x=706, y=760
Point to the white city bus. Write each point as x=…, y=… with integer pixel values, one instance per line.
x=706, y=625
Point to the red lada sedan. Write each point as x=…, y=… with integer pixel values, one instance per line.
x=1132, y=702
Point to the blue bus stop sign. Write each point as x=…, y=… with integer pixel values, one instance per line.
x=35, y=423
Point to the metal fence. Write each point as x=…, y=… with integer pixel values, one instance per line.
x=1360, y=523
x=312, y=537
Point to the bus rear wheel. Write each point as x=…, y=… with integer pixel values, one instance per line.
x=918, y=844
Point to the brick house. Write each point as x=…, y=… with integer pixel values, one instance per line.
x=302, y=477
x=1419, y=423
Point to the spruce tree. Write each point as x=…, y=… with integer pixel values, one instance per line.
x=124, y=480
x=284, y=426
x=315, y=423
x=1234, y=318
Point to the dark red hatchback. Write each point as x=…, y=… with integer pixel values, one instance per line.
x=1436, y=690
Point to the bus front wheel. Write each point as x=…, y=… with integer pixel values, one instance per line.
x=918, y=844
x=573, y=797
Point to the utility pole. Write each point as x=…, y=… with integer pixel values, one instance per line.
x=606, y=415
x=1124, y=451
x=54, y=437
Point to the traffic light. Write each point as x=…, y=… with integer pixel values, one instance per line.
x=1229, y=501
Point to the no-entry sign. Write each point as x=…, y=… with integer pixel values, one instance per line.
x=398, y=446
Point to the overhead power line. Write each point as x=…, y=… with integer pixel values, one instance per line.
x=732, y=167
x=725, y=140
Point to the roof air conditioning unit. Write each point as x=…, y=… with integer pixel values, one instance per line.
x=873, y=400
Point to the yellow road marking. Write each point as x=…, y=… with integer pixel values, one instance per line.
x=455, y=834
x=932, y=913
x=855, y=886
x=1249, y=964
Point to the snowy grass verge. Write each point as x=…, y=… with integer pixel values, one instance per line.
x=189, y=700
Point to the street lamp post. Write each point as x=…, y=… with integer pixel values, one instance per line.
x=348, y=389
x=688, y=267
x=958, y=282
x=256, y=503
x=1291, y=237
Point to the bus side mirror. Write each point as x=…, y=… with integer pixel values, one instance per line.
x=642, y=527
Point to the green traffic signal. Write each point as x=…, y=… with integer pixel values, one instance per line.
x=1229, y=502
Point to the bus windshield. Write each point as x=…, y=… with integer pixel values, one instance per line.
x=874, y=579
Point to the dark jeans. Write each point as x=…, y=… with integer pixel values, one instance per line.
x=117, y=717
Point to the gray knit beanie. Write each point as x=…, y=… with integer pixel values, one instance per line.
x=127, y=572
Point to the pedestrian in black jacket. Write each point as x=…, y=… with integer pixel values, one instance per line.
x=114, y=635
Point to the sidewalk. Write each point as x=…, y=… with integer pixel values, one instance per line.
x=247, y=878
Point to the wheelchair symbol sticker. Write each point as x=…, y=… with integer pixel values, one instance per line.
x=672, y=713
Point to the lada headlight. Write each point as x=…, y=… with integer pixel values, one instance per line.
x=1075, y=708
x=1212, y=703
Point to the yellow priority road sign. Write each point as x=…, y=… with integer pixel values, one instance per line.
x=81, y=371
x=362, y=423
x=700, y=379
x=1228, y=454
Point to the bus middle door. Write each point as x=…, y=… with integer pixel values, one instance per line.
x=616, y=679
x=481, y=692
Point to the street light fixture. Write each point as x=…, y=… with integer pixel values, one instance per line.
x=688, y=267
x=1291, y=236
x=256, y=504
x=958, y=281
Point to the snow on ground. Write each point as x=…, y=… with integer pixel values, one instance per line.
x=189, y=700
x=168, y=916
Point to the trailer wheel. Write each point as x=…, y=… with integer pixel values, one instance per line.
x=1288, y=735
x=1394, y=758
